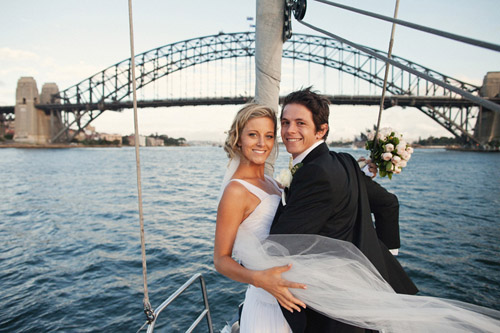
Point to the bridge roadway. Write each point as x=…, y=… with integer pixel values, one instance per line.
x=393, y=100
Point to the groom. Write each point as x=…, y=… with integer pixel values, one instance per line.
x=327, y=196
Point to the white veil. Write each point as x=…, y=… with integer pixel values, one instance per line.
x=343, y=285
x=231, y=169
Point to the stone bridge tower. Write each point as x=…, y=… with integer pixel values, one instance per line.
x=34, y=125
x=488, y=124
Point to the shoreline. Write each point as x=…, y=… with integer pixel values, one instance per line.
x=65, y=146
x=53, y=146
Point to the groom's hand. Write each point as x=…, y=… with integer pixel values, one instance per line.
x=372, y=167
x=271, y=281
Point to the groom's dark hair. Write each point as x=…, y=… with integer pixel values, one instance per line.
x=318, y=104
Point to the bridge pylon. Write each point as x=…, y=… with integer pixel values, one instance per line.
x=33, y=125
x=487, y=127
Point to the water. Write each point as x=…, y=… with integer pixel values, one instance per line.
x=69, y=234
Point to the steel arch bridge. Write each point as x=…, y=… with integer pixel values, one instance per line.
x=82, y=103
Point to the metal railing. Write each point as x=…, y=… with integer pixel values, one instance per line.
x=205, y=312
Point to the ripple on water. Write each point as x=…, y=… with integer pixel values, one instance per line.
x=69, y=238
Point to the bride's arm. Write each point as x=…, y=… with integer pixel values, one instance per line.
x=233, y=208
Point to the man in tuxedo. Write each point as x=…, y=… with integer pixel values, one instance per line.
x=328, y=196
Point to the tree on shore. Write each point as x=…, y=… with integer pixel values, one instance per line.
x=442, y=141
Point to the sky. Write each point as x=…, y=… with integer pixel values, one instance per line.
x=66, y=41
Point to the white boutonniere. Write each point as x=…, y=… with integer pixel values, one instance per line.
x=285, y=179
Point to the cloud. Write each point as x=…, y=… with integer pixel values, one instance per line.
x=17, y=63
x=8, y=54
x=347, y=122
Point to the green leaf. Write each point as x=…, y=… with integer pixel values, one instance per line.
x=389, y=175
x=388, y=167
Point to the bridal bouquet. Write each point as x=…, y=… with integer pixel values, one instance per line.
x=392, y=152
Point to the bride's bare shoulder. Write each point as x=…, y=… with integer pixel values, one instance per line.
x=234, y=191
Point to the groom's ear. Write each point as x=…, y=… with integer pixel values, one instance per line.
x=322, y=131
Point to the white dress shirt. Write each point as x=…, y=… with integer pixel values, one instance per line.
x=306, y=152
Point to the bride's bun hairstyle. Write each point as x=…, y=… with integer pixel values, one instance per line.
x=249, y=111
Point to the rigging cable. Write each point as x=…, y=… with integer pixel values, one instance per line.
x=384, y=88
x=147, y=305
x=467, y=40
x=481, y=101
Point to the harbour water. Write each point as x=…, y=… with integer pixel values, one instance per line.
x=69, y=234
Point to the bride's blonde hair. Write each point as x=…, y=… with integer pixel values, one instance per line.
x=249, y=111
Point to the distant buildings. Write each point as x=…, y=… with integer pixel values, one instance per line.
x=7, y=128
x=131, y=140
x=154, y=142
x=90, y=137
x=111, y=137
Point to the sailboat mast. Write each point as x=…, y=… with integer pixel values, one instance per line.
x=268, y=51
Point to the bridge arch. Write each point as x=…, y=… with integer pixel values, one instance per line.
x=113, y=84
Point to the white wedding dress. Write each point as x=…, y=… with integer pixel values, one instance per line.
x=261, y=311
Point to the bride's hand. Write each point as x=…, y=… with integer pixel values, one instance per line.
x=271, y=281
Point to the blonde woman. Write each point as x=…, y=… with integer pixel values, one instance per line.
x=249, y=201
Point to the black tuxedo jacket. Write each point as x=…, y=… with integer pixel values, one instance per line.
x=385, y=208
x=328, y=196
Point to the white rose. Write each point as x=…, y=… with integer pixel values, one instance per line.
x=402, y=164
x=396, y=159
x=409, y=150
x=386, y=131
x=404, y=155
x=397, y=170
x=284, y=177
x=386, y=156
x=389, y=147
x=401, y=148
x=407, y=156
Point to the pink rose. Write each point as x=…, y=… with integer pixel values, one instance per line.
x=389, y=147
x=409, y=150
x=396, y=159
x=397, y=170
x=386, y=156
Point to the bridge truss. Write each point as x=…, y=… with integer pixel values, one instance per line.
x=109, y=89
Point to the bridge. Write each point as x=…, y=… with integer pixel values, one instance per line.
x=217, y=70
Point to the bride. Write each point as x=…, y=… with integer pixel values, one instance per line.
x=336, y=279
x=249, y=201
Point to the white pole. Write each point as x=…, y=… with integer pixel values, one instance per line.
x=268, y=50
